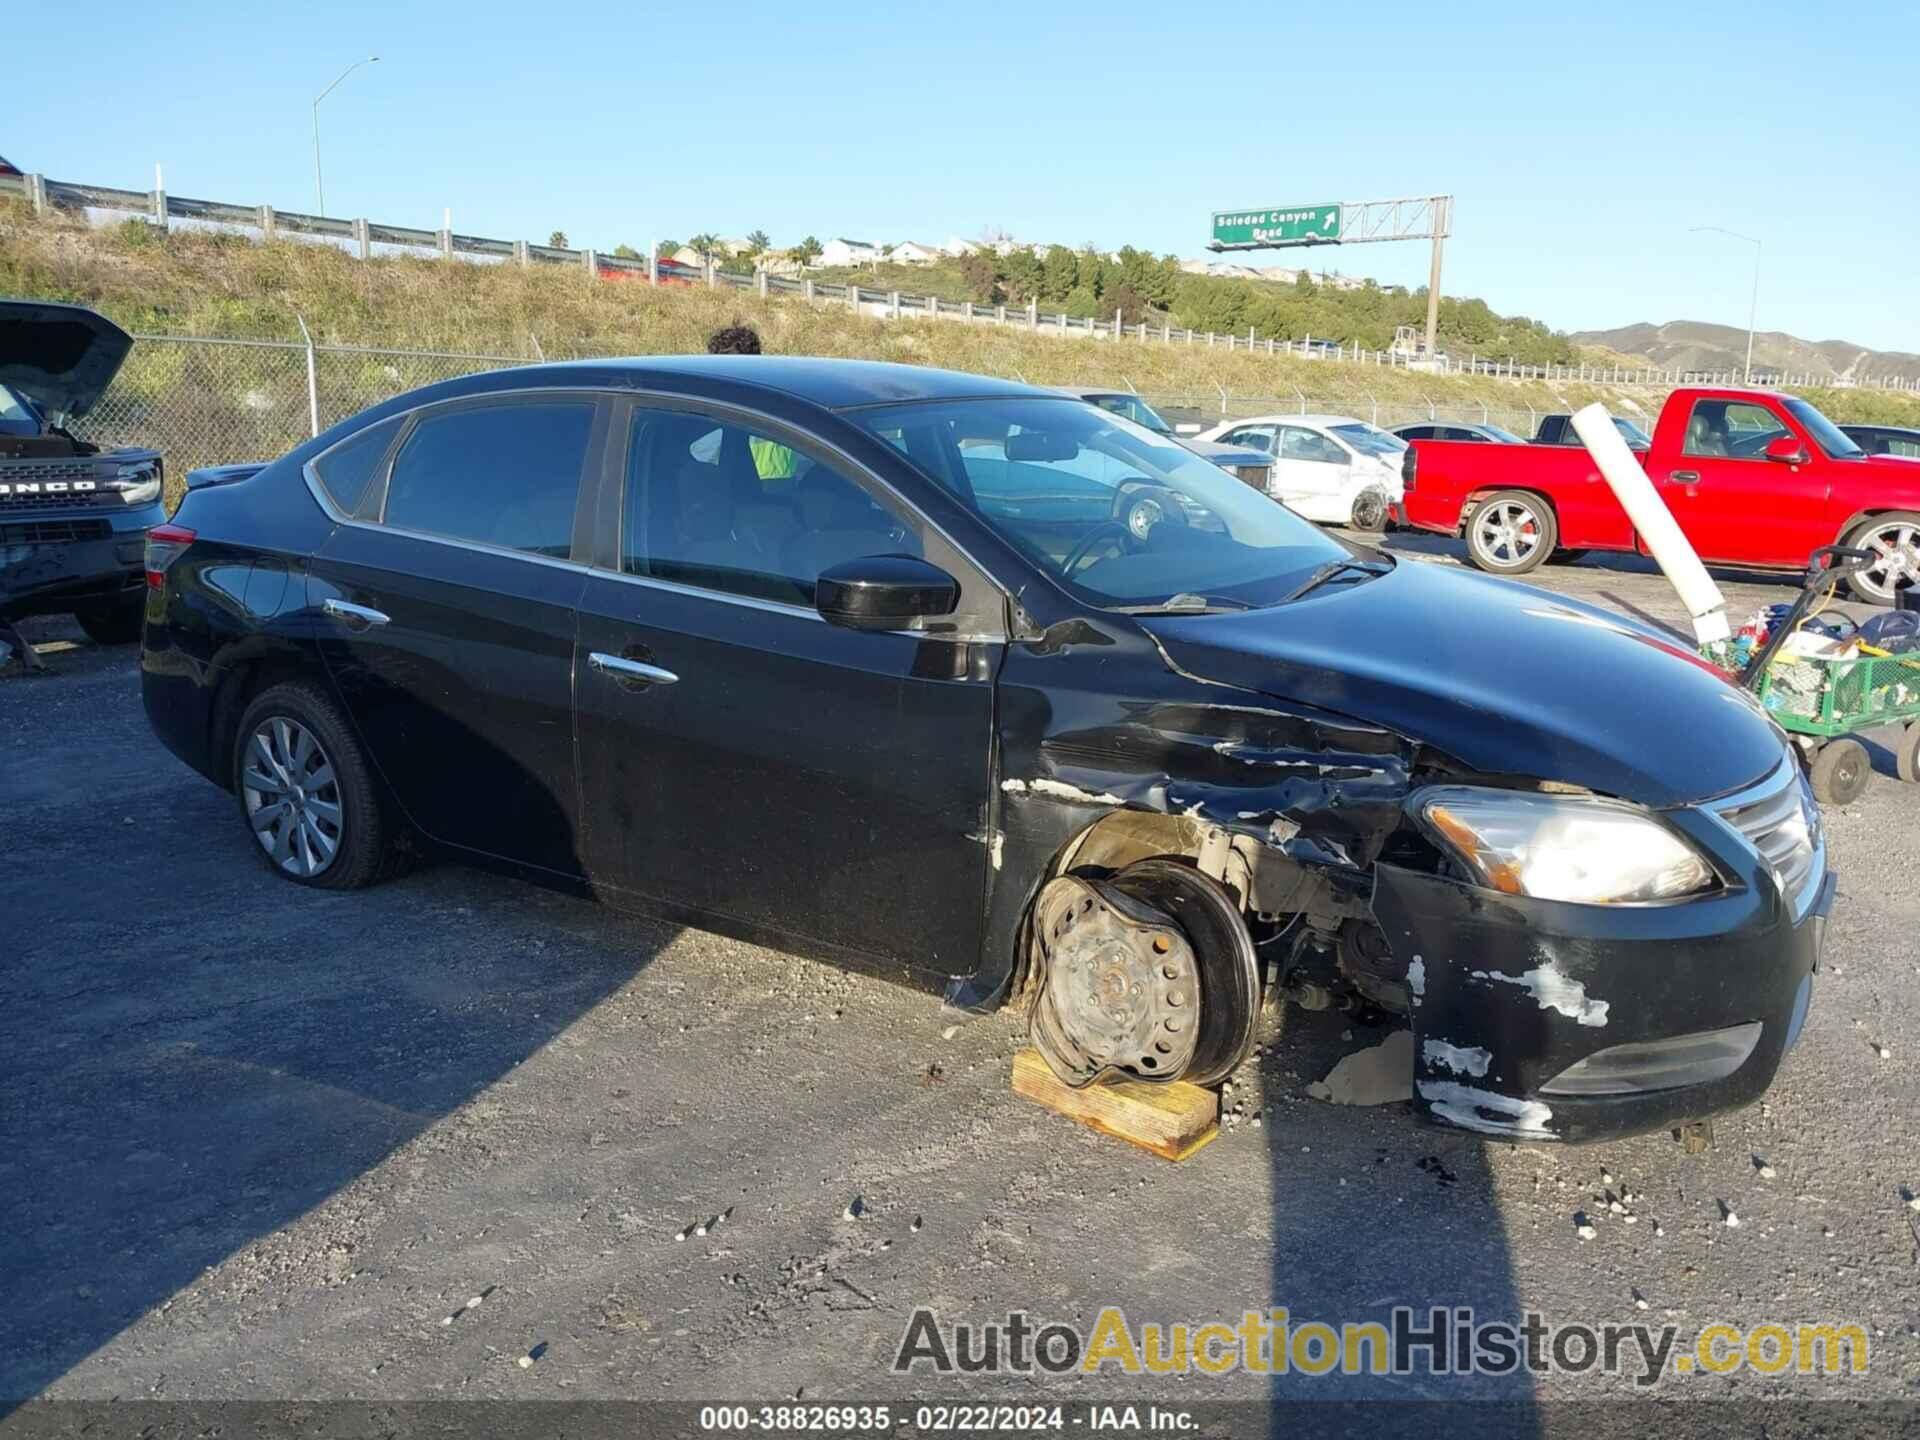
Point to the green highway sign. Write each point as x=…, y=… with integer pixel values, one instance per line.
x=1279, y=225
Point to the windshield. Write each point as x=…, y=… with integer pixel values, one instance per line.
x=16, y=416
x=1505, y=437
x=1135, y=409
x=1118, y=515
x=1630, y=432
x=1369, y=440
x=1827, y=435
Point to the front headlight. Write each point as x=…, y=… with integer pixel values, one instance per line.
x=1575, y=848
x=144, y=492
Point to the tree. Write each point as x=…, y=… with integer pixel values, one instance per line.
x=981, y=275
x=706, y=245
x=1059, y=273
x=558, y=240
x=758, y=243
x=1128, y=301
x=808, y=250
x=626, y=252
x=666, y=249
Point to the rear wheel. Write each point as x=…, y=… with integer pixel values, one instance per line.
x=116, y=625
x=1906, y=758
x=1894, y=540
x=1840, y=772
x=1370, y=510
x=306, y=793
x=1510, y=533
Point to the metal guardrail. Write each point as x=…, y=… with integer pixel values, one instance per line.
x=361, y=236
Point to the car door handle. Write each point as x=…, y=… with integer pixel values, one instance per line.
x=1684, y=477
x=354, y=617
x=622, y=668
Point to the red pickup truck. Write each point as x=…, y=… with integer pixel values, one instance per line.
x=1755, y=479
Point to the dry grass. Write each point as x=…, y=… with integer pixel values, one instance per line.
x=188, y=283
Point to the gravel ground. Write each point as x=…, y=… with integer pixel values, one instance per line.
x=263, y=1143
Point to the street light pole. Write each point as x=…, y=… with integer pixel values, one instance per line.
x=1753, y=304
x=319, y=187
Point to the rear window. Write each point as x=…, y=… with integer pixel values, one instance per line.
x=506, y=474
x=346, y=470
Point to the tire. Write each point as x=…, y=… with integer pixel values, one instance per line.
x=343, y=809
x=119, y=625
x=1511, y=532
x=1369, y=511
x=1906, y=758
x=1840, y=772
x=1895, y=535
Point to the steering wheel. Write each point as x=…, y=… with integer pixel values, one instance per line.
x=1105, y=530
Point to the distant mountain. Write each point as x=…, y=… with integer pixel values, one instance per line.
x=1695, y=345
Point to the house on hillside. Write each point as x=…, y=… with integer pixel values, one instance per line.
x=912, y=252
x=842, y=251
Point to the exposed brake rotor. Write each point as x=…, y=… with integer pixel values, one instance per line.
x=1150, y=973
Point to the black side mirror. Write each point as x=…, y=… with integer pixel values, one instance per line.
x=884, y=592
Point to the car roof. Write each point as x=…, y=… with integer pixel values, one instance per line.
x=1317, y=421
x=1851, y=426
x=832, y=384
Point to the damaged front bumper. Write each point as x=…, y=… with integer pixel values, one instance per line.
x=1542, y=1020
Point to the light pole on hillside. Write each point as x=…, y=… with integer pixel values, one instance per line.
x=319, y=188
x=1753, y=306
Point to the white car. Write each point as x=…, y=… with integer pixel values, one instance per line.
x=1333, y=469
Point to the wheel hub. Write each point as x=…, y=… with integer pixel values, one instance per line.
x=1122, y=985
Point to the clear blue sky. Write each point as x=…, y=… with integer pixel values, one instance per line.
x=1580, y=148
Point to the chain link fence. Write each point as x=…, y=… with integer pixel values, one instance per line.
x=213, y=402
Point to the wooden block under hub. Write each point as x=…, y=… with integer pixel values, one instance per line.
x=1172, y=1119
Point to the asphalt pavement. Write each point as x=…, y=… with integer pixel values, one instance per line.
x=266, y=1143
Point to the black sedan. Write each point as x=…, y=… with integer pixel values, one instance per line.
x=981, y=684
x=1885, y=440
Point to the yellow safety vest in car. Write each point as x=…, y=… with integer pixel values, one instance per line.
x=773, y=461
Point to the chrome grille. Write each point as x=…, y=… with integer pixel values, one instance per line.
x=1781, y=819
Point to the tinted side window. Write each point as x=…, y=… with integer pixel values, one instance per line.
x=1297, y=444
x=724, y=508
x=501, y=474
x=1423, y=432
x=346, y=470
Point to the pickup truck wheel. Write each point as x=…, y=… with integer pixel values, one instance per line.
x=1906, y=759
x=119, y=625
x=306, y=793
x=1895, y=538
x=1510, y=533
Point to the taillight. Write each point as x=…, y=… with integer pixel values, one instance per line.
x=165, y=544
x=1409, y=463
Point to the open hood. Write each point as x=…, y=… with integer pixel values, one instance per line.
x=60, y=357
x=1504, y=678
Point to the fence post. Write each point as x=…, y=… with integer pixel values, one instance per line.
x=760, y=281
x=893, y=304
x=592, y=263
x=266, y=223
x=1033, y=314
x=653, y=266
x=363, y=235
x=712, y=270
x=1301, y=398
x=1117, y=317
x=853, y=296
x=446, y=237
x=159, y=198
x=999, y=314
x=1432, y=414
x=313, y=379
x=1063, y=322
x=520, y=255
x=933, y=306
x=1374, y=401
x=1166, y=333
x=966, y=309
x=807, y=289
x=1210, y=339
x=37, y=192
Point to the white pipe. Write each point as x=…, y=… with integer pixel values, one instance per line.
x=1655, y=522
